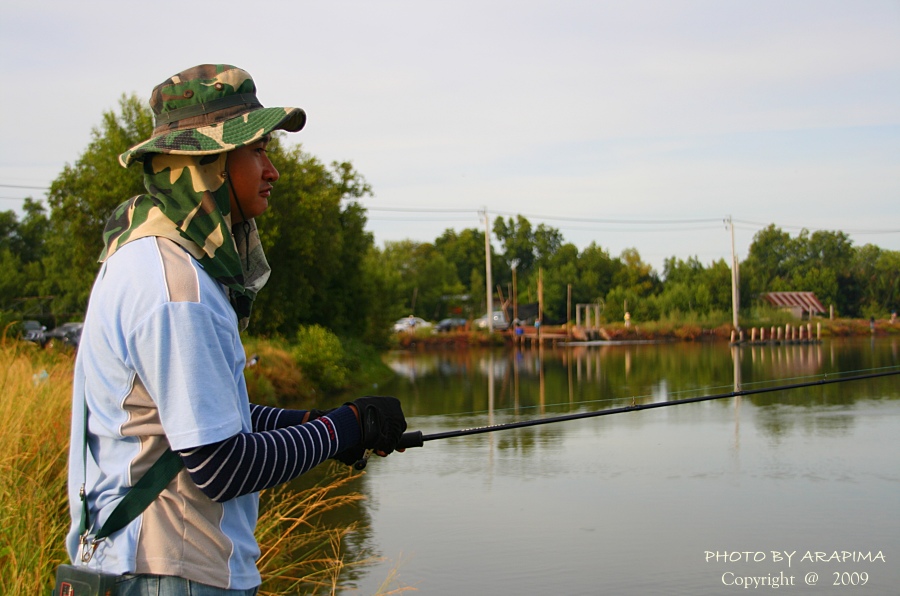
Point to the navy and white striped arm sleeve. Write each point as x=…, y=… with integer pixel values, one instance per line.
x=268, y=418
x=250, y=462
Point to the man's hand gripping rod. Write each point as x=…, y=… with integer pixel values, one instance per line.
x=411, y=439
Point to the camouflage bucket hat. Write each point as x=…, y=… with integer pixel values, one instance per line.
x=208, y=109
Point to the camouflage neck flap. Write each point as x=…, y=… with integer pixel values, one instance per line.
x=188, y=203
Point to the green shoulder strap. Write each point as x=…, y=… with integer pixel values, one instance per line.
x=138, y=498
x=142, y=493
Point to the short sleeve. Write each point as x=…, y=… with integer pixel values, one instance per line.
x=191, y=361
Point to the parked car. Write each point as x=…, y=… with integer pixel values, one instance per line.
x=450, y=324
x=499, y=321
x=410, y=324
x=68, y=334
x=34, y=332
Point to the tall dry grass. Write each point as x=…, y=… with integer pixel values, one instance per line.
x=35, y=394
x=300, y=553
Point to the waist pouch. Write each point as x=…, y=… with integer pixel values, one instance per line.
x=72, y=580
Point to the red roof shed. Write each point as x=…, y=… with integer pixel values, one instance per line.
x=798, y=302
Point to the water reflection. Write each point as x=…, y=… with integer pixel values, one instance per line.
x=540, y=381
x=626, y=503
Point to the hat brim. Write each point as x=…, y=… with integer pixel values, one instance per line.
x=219, y=138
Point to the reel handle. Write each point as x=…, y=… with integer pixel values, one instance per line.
x=408, y=440
x=411, y=439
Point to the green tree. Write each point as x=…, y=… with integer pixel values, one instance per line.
x=81, y=199
x=636, y=275
x=517, y=239
x=596, y=274
x=21, y=250
x=547, y=242
x=877, y=272
x=30, y=237
x=383, y=296
x=314, y=236
x=827, y=270
x=427, y=279
x=465, y=251
x=691, y=287
x=768, y=262
x=561, y=271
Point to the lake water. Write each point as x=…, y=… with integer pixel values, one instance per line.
x=799, y=489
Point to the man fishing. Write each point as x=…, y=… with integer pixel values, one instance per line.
x=160, y=365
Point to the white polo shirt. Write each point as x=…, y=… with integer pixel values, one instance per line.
x=160, y=363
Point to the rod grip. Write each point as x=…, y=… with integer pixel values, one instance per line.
x=411, y=439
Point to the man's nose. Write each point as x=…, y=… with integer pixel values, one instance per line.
x=270, y=174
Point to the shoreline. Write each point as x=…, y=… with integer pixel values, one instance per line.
x=760, y=333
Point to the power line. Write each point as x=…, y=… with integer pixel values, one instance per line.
x=420, y=210
x=554, y=217
x=24, y=186
x=714, y=222
x=758, y=225
x=640, y=230
x=418, y=219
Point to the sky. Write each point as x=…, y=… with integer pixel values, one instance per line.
x=643, y=124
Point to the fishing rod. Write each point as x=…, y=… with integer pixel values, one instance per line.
x=418, y=439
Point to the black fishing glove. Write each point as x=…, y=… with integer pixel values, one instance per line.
x=381, y=421
x=352, y=455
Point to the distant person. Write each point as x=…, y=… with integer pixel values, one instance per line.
x=161, y=364
x=628, y=319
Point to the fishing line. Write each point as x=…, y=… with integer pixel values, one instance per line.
x=633, y=398
x=417, y=438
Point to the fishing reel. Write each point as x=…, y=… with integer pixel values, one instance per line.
x=410, y=439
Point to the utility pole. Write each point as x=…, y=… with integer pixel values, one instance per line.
x=487, y=270
x=735, y=280
x=514, y=264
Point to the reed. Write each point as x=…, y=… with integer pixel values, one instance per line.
x=299, y=551
x=35, y=394
x=301, y=554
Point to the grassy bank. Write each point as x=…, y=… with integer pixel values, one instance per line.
x=311, y=369
x=299, y=551
x=666, y=330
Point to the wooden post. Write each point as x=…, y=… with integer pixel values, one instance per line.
x=540, y=303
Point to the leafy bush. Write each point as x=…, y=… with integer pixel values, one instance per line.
x=321, y=356
x=272, y=376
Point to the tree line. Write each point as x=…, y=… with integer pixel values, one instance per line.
x=327, y=270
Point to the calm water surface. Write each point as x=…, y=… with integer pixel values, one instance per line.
x=662, y=501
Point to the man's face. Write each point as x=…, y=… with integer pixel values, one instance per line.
x=251, y=174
